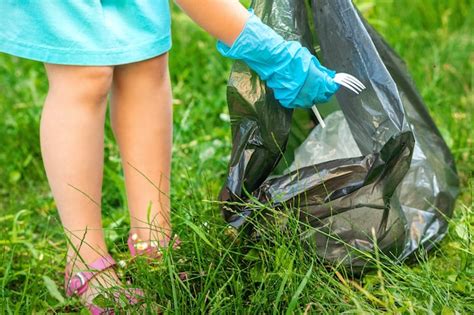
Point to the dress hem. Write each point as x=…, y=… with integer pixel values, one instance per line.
x=109, y=57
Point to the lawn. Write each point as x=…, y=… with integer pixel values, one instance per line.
x=434, y=37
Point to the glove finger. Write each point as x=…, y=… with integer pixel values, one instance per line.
x=329, y=72
x=332, y=86
x=322, y=68
x=326, y=91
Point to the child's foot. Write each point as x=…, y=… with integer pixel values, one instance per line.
x=151, y=247
x=149, y=240
x=98, y=286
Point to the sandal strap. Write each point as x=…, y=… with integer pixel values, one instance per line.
x=139, y=247
x=78, y=283
x=96, y=310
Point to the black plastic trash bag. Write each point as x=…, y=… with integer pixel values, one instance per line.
x=380, y=167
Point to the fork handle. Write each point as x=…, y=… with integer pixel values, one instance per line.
x=318, y=116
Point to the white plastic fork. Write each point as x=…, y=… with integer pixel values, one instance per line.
x=350, y=82
x=346, y=80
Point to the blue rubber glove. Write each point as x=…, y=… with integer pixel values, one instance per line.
x=295, y=75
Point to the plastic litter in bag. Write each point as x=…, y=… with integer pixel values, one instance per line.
x=332, y=143
x=380, y=166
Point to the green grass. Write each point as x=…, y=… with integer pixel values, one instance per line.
x=434, y=37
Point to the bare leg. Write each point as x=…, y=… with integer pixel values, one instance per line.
x=72, y=136
x=141, y=116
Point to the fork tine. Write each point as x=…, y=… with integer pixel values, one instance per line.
x=349, y=83
x=356, y=81
x=343, y=83
x=351, y=78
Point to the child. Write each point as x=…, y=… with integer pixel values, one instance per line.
x=93, y=48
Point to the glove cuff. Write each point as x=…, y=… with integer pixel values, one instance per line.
x=250, y=34
x=258, y=45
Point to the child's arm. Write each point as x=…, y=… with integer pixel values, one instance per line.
x=294, y=74
x=223, y=19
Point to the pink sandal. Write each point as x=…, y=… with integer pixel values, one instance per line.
x=78, y=285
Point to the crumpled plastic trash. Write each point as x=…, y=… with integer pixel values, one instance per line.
x=332, y=143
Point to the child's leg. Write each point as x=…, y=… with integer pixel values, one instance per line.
x=141, y=116
x=72, y=136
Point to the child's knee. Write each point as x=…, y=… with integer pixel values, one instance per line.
x=99, y=79
x=86, y=84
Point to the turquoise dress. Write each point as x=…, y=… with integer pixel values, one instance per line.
x=85, y=32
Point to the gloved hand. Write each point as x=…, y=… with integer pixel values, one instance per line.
x=295, y=75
